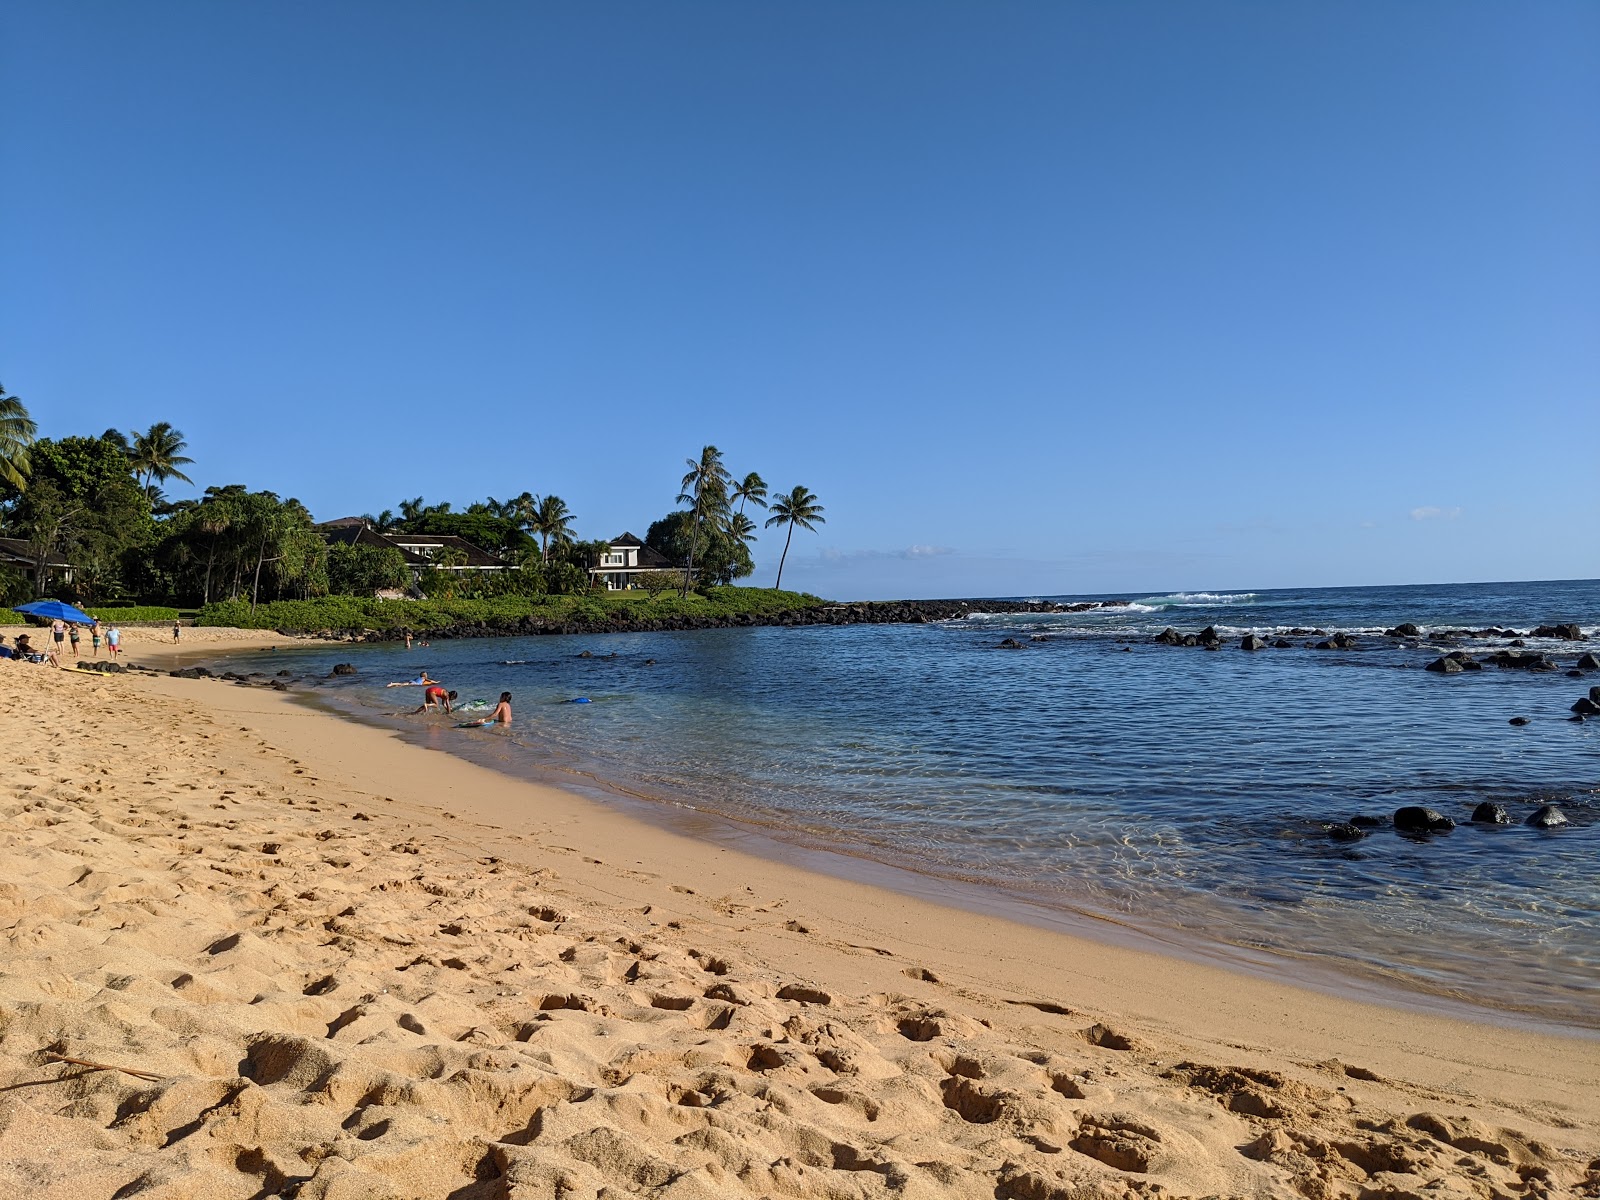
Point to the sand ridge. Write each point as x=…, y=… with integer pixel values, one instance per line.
x=345, y=995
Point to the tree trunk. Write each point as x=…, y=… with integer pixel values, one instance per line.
x=784, y=557
x=210, y=558
x=255, y=591
x=694, y=540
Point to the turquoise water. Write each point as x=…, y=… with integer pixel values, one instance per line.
x=1174, y=789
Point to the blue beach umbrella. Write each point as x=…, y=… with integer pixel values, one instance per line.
x=54, y=610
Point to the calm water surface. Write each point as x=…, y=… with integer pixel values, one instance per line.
x=1174, y=789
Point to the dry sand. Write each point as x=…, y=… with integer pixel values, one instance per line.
x=354, y=968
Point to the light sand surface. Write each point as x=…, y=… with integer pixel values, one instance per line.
x=359, y=968
x=153, y=644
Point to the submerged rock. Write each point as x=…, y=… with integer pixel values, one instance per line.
x=1588, y=662
x=1416, y=819
x=1585, y=707
x=1170, y=637
x=1490, y=814
x=1282, y=644
x=1548, y=816
x=1445, y=665
x=1346, y=831
x=1368, y=821
x=1251, y=642
x=1011, y=644
x=1406, y=630
x=343, y=669
x=1518, y=721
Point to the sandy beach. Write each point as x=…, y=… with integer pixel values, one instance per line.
x=335, y=965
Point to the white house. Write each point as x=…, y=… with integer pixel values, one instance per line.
x=623, y=560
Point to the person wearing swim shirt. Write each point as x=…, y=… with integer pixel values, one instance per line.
x=436, y=695
x=421, y=680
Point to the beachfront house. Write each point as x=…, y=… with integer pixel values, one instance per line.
x=21, y=555
x=422, y=551
x=623, y=560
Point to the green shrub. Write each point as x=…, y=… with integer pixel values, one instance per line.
x=357, y=613
x=131, y=614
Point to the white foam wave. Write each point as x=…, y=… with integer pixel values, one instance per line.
x=1195, y=600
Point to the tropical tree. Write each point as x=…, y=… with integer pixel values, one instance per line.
x=552, y=521
x=17, y=431
x=751, y=488
x=742, y=528
x=720, y=557
x=157, y=454
x=800, y=508
x=705, y=485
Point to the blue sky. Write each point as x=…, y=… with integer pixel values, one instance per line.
x=1037, y=297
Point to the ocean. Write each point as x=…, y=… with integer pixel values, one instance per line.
x=1102, y=781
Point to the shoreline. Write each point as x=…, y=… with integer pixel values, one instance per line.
x=1003, y=1052
x=682, y=816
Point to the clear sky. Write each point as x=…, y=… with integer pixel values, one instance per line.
x=1037, y=297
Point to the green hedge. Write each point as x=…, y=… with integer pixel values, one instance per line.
x=356, y=613
x=131, y=615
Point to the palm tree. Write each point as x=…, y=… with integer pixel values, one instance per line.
x=800, y=508
x=552, y=521
x=157, y=454
x=17, y=431
x=411, y=510
x=706, y=486
x=752, y=488
x=742, y=527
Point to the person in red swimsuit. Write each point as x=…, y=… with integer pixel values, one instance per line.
x=436, y=695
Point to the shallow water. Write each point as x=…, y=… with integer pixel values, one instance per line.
x=1173, y=788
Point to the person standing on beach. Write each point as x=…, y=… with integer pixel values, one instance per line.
x=177, y=628
x=58, y=634
x=94, y=637
x=72, y=636
x=113, y=641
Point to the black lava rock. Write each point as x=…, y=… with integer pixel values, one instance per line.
x=1586, y=707
x=1367, y=821
x=1588, y=662
x=1251, y=642
x=1445, y=666
x=1415, y=819
x=343, y=669
x=1518, y=721
x=1344, y=831
x=1548, y=817
x=1011, y=644
x=1490, y=814
x=1406, y=630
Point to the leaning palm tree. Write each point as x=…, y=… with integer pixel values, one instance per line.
x=800, y=508
x=157, y=454
x=17, y=431
x=552, y=521
x=706, y=487
x=751, y=488
x=741, y=528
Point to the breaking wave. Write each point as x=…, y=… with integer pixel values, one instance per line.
x=1195, y=600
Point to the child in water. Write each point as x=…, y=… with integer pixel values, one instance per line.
x=500, y=716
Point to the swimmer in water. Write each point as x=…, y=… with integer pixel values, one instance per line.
x=421, y=680
x=435, y=695
x=500, y=716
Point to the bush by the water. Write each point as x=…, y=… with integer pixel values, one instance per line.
x=355, y=614
x=127, y=614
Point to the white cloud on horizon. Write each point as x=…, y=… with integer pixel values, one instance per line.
x=1430, y=512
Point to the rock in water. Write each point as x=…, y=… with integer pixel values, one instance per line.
x=1490, y=814
x=1011, y=644
x=1415, y=819
x=344, y=669
x=1445, y=666
x=1209, y=636
x=1588, y=662
x=1282, y=644
x=1345, y=831
x=1548, y=817
x=1367, y=821
x=1586, y=707
x=1518, y=721
x=1251, y=642
x=1170, y=637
